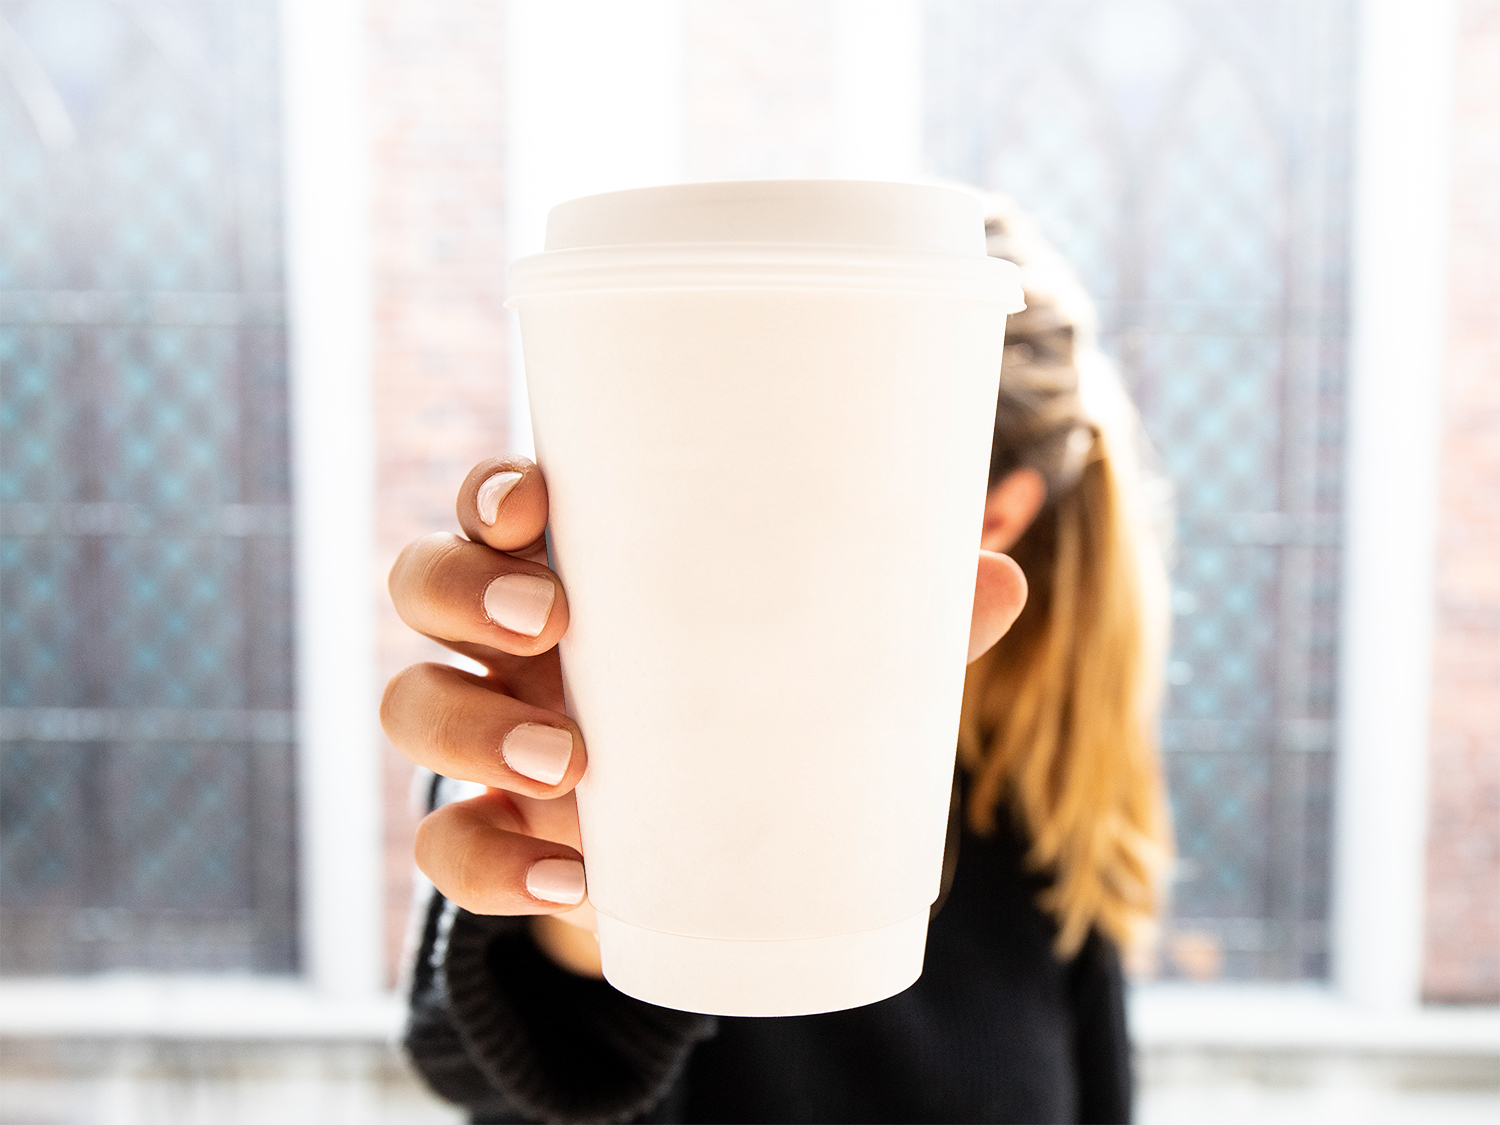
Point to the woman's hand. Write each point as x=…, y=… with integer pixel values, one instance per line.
x=514, y=850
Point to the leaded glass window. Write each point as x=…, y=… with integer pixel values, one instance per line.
x=145, y=552
x=1193, y=161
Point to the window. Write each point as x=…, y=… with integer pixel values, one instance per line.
x=1193, y=161
x=146, y=590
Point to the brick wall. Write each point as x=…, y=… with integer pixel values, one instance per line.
x=1463, y=853
x=437, y=191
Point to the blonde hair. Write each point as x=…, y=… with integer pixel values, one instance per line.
x=1059, y=717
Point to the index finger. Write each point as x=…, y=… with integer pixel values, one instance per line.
x=503, y=504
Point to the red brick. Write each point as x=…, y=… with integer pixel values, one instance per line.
x=437, y=144
x=1463, y=849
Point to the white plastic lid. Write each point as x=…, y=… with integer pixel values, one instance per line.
x=855, y=235
x=806, y=212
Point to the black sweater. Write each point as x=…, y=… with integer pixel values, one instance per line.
x=996, y=1029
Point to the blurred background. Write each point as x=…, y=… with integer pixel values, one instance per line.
x=252, y=267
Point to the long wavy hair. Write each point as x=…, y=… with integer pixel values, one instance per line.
x=1058, y=721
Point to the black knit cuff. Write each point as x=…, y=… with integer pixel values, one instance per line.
x=558, y=1047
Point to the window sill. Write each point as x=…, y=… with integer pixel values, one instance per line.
x=192, y=1007
x=1163, y=1016
x=1261, y=1017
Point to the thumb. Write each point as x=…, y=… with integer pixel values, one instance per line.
x=999, y=594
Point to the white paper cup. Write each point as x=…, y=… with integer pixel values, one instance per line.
x=764, y=414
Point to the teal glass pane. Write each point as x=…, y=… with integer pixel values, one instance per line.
x=1192, y=160
x=146, y=702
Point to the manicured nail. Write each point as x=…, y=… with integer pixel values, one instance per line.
x=556, y=880
x=520, y=602
x=539, y=752
x=491, y=492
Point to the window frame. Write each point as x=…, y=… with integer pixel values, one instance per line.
x=1403, y=158
x=333, y=472
x=1373, y=998
x=340, y=988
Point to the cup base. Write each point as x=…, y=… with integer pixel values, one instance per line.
x=795, y=977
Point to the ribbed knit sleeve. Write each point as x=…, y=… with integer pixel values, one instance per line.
x=495, y=1026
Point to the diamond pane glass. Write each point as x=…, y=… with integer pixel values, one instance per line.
x=146, y=707
x=1192, y=160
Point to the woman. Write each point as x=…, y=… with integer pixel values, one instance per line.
x=1056, y=840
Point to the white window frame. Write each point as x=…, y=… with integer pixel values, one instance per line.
x=1399, y=304
x=333, y=458
x=1401, y=233
x=556, y=49
x=340, y=992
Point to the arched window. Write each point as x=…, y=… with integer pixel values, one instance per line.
x=1193, y=161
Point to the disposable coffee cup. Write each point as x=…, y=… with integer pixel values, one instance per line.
x=764, y=413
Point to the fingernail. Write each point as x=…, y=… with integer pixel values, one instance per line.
x=556, y=880
x=491, y=492
x=539, y=752
x=520, y=602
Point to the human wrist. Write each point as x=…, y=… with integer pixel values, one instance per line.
x=569, y=947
